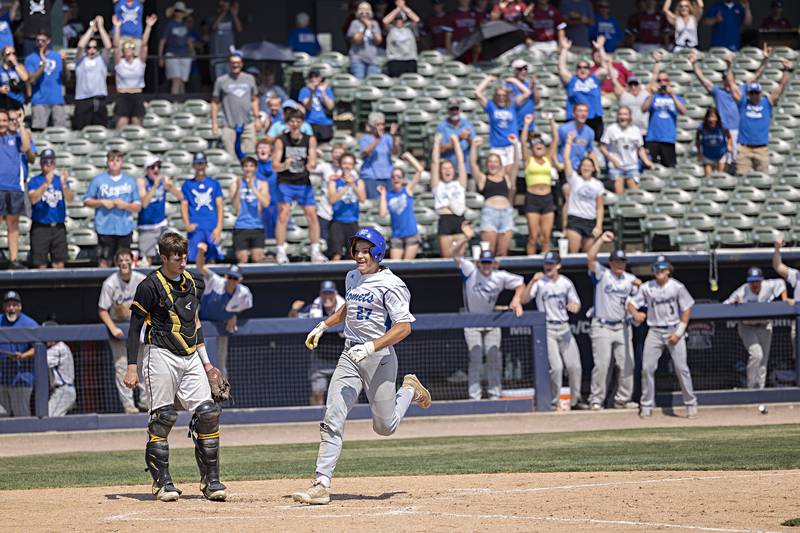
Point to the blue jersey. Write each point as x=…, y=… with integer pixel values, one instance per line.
x=378, y=164
x=611, y=29
x=50, y=209
x=586, y=91
x=114, y=221
x=202, y=199
x=727, y=33
x=249, y=208
x=527, y=108
x=581, y=145
x=131, y=17
x=48, y=89
x=316, y=115
x=663, y=119
x=16, y=373
x=727, y=107
x=502, y=123
x=7, y=75
x=10, y=174
x=346, y=209
x=754, y=121
x=304, y=40
x=155, y=213
x=446, y=129
x=401, y=209
x=264, y=172
x=6, y=37
x=713, y=142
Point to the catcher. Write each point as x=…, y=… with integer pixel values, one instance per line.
x=175, y=368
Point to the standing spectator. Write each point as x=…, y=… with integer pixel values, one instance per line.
x=776, y=20
x=45, y=68
x=270, y=109
x=583, y=87
x=73, y=25
x=608, y=26
x=585, y=204
x=317, y=98
x=713, y=143
x=633, y=97
x=463, y=21
x=449, y=195
x=502, y=114
x=726, y=18
x=114, y=197
x=622, y=146
x=614, y=69
x=6, y=17
x=279, y=127
x=152, y=223
x=685, y=20
x=664, y=107
x=129, y=106
x=265, y=173
x=202, y=210
x=223, y=26
x=755, y=112
x=49, y=193
x=130, y=13
x=249, y=196
x=497, y=188
x=455, y=124
x=579, y=16
x=401, y=40
x=237, y=92
x=329, y=170
x=437, y=28
x=176, y=48
x=648, y=28
x=365, y=38
x=269, y=89
x=398, y=203
x=303, y=38
x=539, y=164
x=12, y=196
x=36, y=17
x=16, y=124
x=345, y=192
x=377, y=147
x=548, y=26
x=583, y=144
x=16, y=361
x=91, y=71
x=12, y=80
x=62, y=376
x=512, y=11
x=523, y=70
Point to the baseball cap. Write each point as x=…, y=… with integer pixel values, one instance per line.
x=151, y=160
x=552, y=257
x=754, y=87
x=518, y=64
x=200, y=159
x=486, y=257
x=754, y=274
x=289, y=104
x=48, y=153
x=661, y=263
x=234, y=272
x=453, y=102
x=327, y=286
x=12, y=296
x=618, y=255
x=633, y=80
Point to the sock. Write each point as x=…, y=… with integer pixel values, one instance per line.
x=281, y=248
x=324, y=480
x=314, y=247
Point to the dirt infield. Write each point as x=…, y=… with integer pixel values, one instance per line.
x=617, y=501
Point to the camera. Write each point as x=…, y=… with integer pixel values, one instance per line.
x=662, y=89
x=16, y=85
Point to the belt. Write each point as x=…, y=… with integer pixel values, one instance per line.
x=48, y=225
x=670, y=326
x=754, y=145
x=609, y=322
x=556, y=322
x=63, y=385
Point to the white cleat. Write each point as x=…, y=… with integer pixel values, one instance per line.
x=318, y=257
x=317, y=494
x=421, y=395
x=691, y=411
x=281, y=258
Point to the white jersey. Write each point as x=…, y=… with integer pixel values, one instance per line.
x=552, y=297
x=481, y=292
x=117, y=295
x=316, y=310
x=583, y=196
x=61, y=365
x=241, y=300
x=450, y=195
x=374, y=303
x=611, y=293
x=771, y=289
x=793, y=278
x=664, y=304
x=623, y=144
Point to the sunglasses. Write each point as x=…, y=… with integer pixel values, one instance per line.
x=91, y=47
x=155, y=165
x=583, y=67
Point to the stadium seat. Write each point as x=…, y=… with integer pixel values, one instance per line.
x=722, y=180
x=172, y=132
x=79, y=146
x=157, y=145
x=667, y=207
x=748, y=192
x=763, y=236
x=184, y=120
x=731, y=237
x=193, y=144
x=677, y=195
x=133, y=133
x=684, y=182
x=711, y=193
x=780, y=204
x=152, y=121
x=640, y=196
x=774, y=220
x=699, y=221
x=83, y=237
x=689, y=240
x=197, y=107
x=736, y=220
x=163, y=108
x=96, y=134
x=57, y=135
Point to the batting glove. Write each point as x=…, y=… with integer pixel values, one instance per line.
x=313, y=338
x=361, y=351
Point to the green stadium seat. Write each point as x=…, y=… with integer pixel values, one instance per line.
x=638, y=195
x=184, y=120
x=172, y=132
x=773, y=220
x=426, y=69
x=57, y=135
x=731, y=237
x=219, y=156
x=163, y=108
x=688, y=240
x=711, y=193
x=652, y=183
x=699, y=221
x=157, y=145
x=654, y=225
x=685, y=182
x=182, y=158
x=118, y=143
x=764, y=236
x=137, y=157
x=96, y=134
x=79, y=146
x=667, y=207
x=133, y=133
x=381, y=81
x=197, y=107
x=737, y=220
x=708, y=207
x=677, y=195
x=152, y=121
x=434, y=57
x=193, y=144
x=748, y=192
x=440, y=92
x=83, y=237
x=743, y=206
x=780, y=204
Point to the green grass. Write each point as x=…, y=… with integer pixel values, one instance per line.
x=794, y=522
x=720, y=448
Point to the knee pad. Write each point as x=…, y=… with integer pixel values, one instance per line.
x=161, y=421
x=206, y=418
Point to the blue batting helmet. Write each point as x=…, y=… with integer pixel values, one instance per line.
x=373, y=236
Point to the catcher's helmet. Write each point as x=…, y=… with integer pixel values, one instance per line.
x=372, y=236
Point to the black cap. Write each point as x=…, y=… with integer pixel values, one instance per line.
x=618, y=255
x=48, y=153
x=327, y=286
x=552, y=257
x=12, y=296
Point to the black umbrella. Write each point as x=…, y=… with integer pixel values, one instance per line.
x=267, y=51
x=495, y=37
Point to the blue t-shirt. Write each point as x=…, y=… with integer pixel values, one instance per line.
x=249, y=216
x=177, y=38
x=713, y=142
x=581, y=145
x=6, y=37
x=446, y=129
x=378, y=164
x=611, y=29
x=727, y=33
x=114, y=221
x=401, y=210
x=527, y=108
x=50, y=209
x=663, y=119
x=155, y=212
x=10, y=176
x=8, y=74
x=48, y=89
x=16, y=373
x=587, y=92
x=316, y=115
x=279, y=128
x=202, y=199
x=304, y=40
x=502, y=123
x=754, y=123
x=727, y=107
x=264, y=172
x=131, y=17
x=346, y=209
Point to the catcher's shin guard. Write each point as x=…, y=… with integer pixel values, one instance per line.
x=156, y=454
x=205, y=433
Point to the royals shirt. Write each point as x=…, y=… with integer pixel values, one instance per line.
x=114, y=221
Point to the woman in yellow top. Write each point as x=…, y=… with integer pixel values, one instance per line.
x=540, y=206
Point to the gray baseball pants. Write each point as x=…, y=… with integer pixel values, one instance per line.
x=757, y=339
x=377, y=375
x=480, y=342
x=16, y=401
x=654, y=345
x=119, y=352
x=62, y=399
x=562, y=353
x=611, y=341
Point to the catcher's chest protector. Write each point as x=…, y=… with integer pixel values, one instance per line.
x=182, y=304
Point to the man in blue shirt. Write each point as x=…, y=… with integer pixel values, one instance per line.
x=317, y=98
x=115, y=198
x=608, y=26
x=664, y=107
x=201, y=210
x=525, y=75
x=16, y=360
x=45, y=69
x=13, y=144
x=455, y=124
x=130, y=12
x=583, y=144
x=49, y=193
x=152, y=222
x=726, y=18
x=584, y=87
x=303, y=38
x=279, y=127
x=755, y=113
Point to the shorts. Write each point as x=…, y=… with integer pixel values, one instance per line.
x=323, y=133
x=539, y=203
x=400, y=243
x=148, y=240
x=200, y=236
x=629, y=174
x=340, y=233
x=304, y=194
x=713, y=162
x=12, y=203
x=395, y=68
x=41, y=115
x=129, y=105
x=583, y=226
x=90, y=112
x=178, y=68
x=506, y=154
x=48, y=244
x=107, y=245
x=662, y=153
x=247, y=239
x=497, y=220
x=450, y=224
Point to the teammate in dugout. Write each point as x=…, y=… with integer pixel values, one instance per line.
x=669, y=307
x=756, y=334
x=376, y=316
x=175, y=367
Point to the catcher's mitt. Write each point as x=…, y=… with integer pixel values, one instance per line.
x=220, y=387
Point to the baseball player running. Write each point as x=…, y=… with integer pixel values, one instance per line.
x=669, y=306
x=611, y=334
x=756, y=334
x=556, y=295
x=482, y=284
x=174, y=367
x=376, y=316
